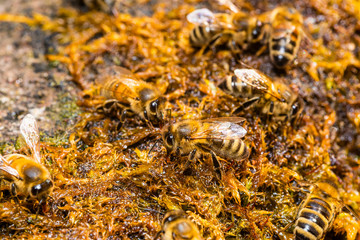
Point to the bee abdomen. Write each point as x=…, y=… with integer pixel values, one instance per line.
x=110, y=88
x=313, y=220
x=200, y=36
x=231, y=149
x=283, y=48
x=279, y=53
x=234, y=86
x=319, y=205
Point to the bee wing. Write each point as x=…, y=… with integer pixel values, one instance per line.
x=5, y=166
x=230, y=5
x=257, y=80
x=30, y=131
x=201, y=16
x=220, y=130
x=225, y=119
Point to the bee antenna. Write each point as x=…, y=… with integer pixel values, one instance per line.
x=245, y=65
x=169, y=115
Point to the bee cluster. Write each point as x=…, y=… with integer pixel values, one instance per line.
x=188, y=133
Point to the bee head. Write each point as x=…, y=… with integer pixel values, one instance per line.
x=154, y=109
x=41, y=190
x=177, y=222
x=172, y=216
x=183, y=230
x=256, y=32
x=169, y=139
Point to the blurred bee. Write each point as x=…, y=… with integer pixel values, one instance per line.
x=121, y=94
x=176, y=226
x=317, y=212
x=248, y=30
x=251, y=30
x=280, y=29
x=273, y=98
x=218, y=136
x=29, y=178
x=102, y=5
x=286, y=35
x=210, y=29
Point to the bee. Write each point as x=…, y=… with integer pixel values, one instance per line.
x=122, y=93
x=28, y=177
x=248, y=30
x=274, y=99
x=210, y=29
x=176, y=226
x=317, y=212
x=286, y=35
x=280, y=30
x=218, y=136
x=251, y=30
x=107, y=6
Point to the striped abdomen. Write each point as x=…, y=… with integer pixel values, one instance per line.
x=237, y=88
x=110, y=88
x=284, y=44
x=314, y=219
x=201, y=35
x=230, y=148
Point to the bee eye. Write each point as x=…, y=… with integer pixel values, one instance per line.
x=154, y=106
x=36, y=189
x=257, y=30
x=295, y=109
x=169, y=138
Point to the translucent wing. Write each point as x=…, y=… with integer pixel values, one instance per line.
x=201, y=16
x=29, y=130
x=220, y=130
x=5, y=166
x=230, y=5
x=258, y=80
x=225, y=119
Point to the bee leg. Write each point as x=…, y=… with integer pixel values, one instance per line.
x=192, y=155
x=158, y=235
x=216, y=163
x=147, y=120
x=287, y=226
x=177, y=151
x=13, y=192
x=13, y=189
x=246, y=105
x=122, y=118
x=191, y=158
x=38, y=208
x=261, y=50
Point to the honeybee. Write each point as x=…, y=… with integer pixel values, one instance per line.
x=274, y=99
x=286, y=35
x=122, y=93
x=280, y=29
x=317, y=212
x=251, y=30
x=218, y=136
x=248, y=30
x=28, y=177
x=176, y=226
x=102, y=5
x=210, y=29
